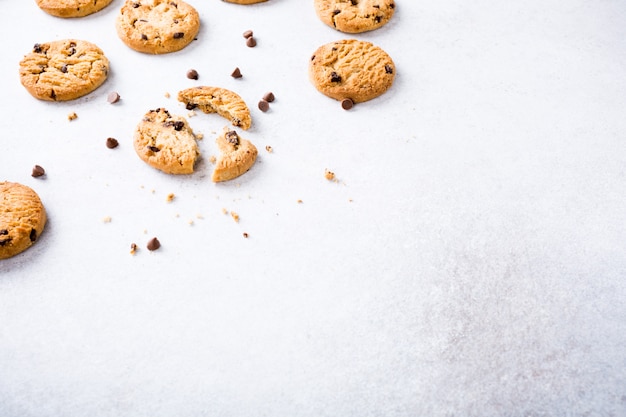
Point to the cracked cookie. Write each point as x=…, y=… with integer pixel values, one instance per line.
x=166, y=142
x=237, y=155
x=351, y=69
x=72, y=8
x=355, y=16
x=218, y=100
x=22, y=218
x=157, y=26
x=63, y=70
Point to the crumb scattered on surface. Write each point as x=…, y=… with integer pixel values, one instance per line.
x=167, y=95
x=191, y=113
x=269, y=149
x=199, y=216
x=133, y=248
x=191, y=223
x=235, y=216
x=329, y=175
x=212, y=159
x=106, y=219
x=199, y=136
x=224, y=211
x=72, y=116
x=300, y=201
x=245, y=235
x=170, y=197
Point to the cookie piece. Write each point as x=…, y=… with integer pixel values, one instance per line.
x=22, y=218
x=63, y=70
x=157, y=26
x=72, y=8
x=218, y=100
x=244, y=1
x=166, y=142
x=355, y=16
x=351, y=69
x=237, y=155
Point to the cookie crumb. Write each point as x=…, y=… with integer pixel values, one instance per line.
x=106, y=219
x=329, y=175
x=170, y=197
x=192, y=113
x=199, y=216
x=113, y=97
x=153, y=244
x=38, y=171
x=133, y=248
x=72, y=116
x=224, y=211
x=212, y=159
x=269, y=149
x=235, y=216
x=190, y=222
x=112, y=143
x=300, y=201
x=245, y=235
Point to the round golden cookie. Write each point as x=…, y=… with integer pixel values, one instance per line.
x=157, y=26
x=22, y=218
x=63, y=70
x=244, y=1
x=226, y=103
x=166, y=142
x=72, y=8
x=237, y=155
x=351, y=69
x=355, y=16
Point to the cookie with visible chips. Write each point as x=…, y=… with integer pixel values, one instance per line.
x=157, y=26
x=226, y=103
x=351, y=69
x=244, y=1
x=237, y=155
x=355, y=16
x=63, y=70
x=72, y=8
x=22, y=218
x=166, y=142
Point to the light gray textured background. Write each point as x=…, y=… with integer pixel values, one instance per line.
x=469, y=262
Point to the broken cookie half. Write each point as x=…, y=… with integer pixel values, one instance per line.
x=226, y=103
x=237, y=155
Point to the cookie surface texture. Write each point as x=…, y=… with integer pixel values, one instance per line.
x=245, y=1
x=72, y=8
x=157, y=26
x=166, y=142
x=351, y=69
x=63, y=70
x=355, y=16
x=22, y=218
x=237, y=155
x=226, y=103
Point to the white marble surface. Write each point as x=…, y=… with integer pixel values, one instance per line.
x=470, y=261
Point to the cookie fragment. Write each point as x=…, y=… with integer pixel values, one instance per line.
x=22, y=218
x=237, y=155
x=217, y=100
x=166, y=142
x=244, y=1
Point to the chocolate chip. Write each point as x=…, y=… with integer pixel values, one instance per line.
x=113, y=97
x=192, y=74
x=72, y=51
x=4, y=232
x=153, y=244
x=38, y=171
x=144, y=37
x=264, y=106
x=347, y=104
x=178, y=125
x=269, y=97
x=154, y=149
x=388, y=69
x=179, y=35
x=334, y=77
x=245, y=235
x=377, y=19
x=53, y=95
x=336, y=12
x=64, y=68
x=232, y=137
x=37, y=48
x=236, y=73
x=135, y=5
x=248, y=34
x=33, y=235
x=191, y=106
x=5, y=241
x=112, y=143
x=251, y=42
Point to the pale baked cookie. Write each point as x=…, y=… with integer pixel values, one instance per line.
x=245, y=1
x=355, y=16
x=218, y=100
x=166, y=142
x=63, y=70
x=237, y=155
x=351, y=69
x=72, y=8
x=22, y=218
x=157, y=26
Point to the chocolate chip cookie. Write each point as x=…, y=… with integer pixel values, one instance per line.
x=22, y=218
x=157, y=26
x=72, y=8
x=351, y=69
x=355, y=16
x=237, y=155
x=63, y=70
x=226, y=103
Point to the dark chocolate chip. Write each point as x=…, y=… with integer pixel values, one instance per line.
x=135, y=5
x=232, y=137
x=154, y=148
x=112, y=143
x=264, y=105
x=334, y=77
x=248, y=34
x=377, y=19
x=173, y=4
x=33, y=235
x=153, y=244
x=4, y=232
x=64, y=68
x=388, y=69
x=179, y=35
x=144, y=37
x=178, y=125
x=347, y=104
x=269, y=97
x=38, y=171
x=251, y=42
x=236, y=73
x=37, y=48
x=5, y=241
x=336, y=12
x=113, y=97
x=191, y=106
x=192, y=74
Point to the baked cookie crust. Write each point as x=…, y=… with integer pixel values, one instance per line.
x=63, y=70
x=157, y=26
x=351, y=69
x=72, y=8
x=237, y=155
x=244, y=1
x=22, y=218
x=355, y=16
x=226, y=103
